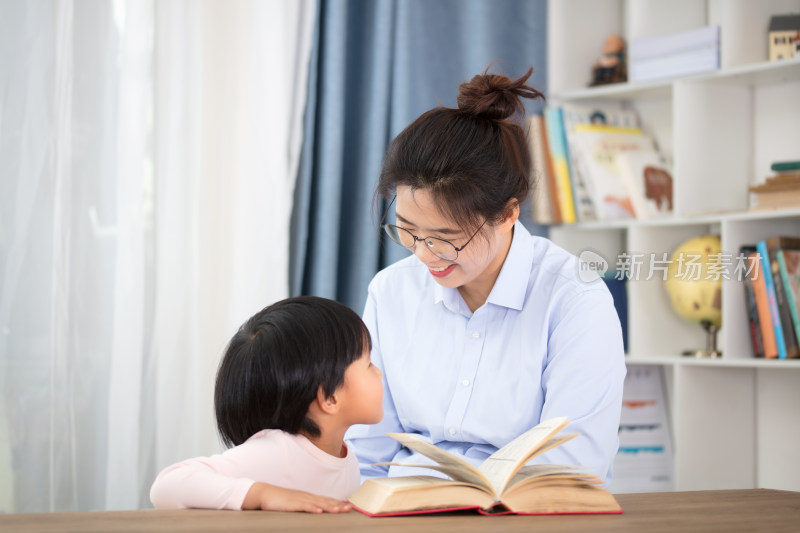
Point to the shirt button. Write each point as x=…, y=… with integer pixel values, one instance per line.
x=452, y=431
x=475, y=335
x=465, y=383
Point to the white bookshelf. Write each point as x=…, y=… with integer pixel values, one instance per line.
x=735, y=420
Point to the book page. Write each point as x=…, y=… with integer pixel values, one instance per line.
x=457, y=473
x=547, y=469
x=449, y=464
x=549, y=444
x=501, y=466
x=410, y=481
x=535, y=473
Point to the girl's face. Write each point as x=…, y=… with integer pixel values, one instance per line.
x=476, y=266
x=361, y=394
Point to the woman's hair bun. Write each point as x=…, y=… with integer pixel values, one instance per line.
x=494, y=96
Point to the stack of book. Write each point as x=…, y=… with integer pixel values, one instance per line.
x=779, y=191
x=772, y=292
x=677, y=54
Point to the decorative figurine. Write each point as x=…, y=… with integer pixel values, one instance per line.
x=611, y=67
x=784, y=34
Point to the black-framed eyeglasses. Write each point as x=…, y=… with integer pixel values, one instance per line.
x=438, y=247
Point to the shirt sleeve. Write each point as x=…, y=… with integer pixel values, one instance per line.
x=216, y=482
x=583, y=379
x=369, y=442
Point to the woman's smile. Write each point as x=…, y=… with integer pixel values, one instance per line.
x=441, y=272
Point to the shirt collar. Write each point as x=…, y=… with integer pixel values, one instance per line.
x=511, y=285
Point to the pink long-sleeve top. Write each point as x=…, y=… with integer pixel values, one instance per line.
x=270, y=456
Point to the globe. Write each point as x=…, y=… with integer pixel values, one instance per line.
x=694, y=285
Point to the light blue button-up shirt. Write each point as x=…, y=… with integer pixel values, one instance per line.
x=544, y=344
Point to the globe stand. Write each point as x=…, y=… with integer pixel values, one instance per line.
x=711, y=342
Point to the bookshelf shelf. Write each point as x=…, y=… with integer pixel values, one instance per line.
x=713, y=218
x=757, y=74
x=773, y=364
x=722, y=130
x=627, y=91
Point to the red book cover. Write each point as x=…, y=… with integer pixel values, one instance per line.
x=479, y=510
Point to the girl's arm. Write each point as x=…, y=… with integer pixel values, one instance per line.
x=271, y=498
x=194, y=484
x=228, y=480
x=200, y=483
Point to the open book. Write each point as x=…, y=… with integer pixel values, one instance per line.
x=502, y=484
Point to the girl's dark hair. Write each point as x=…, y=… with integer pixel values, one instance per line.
x=473, y=159
x=277, y=361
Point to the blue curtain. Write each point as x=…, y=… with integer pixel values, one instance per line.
x=377, y=65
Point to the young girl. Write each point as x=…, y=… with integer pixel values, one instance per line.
x=485, y=330
x=293, y=379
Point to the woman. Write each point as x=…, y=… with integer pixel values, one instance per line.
x=485, y=330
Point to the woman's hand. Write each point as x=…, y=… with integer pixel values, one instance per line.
x=271, y=498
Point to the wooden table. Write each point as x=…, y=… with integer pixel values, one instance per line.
x=723, y=510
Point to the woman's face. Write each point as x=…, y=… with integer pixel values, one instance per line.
x=478, y=263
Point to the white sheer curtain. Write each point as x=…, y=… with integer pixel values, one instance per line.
x=148, y=152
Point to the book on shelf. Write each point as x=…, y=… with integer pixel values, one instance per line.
x=750, y=255
x=779, y=191
x=502, y=484
x=574, y=115
x=756, y=277
x=596, y=153
x=789, y=263
x=552, y=185
x=647, y=177
x=677, y=54
x=774, y=312
x=544, y=201
x=776, y=245
x=786, y=166
x=557, y=143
